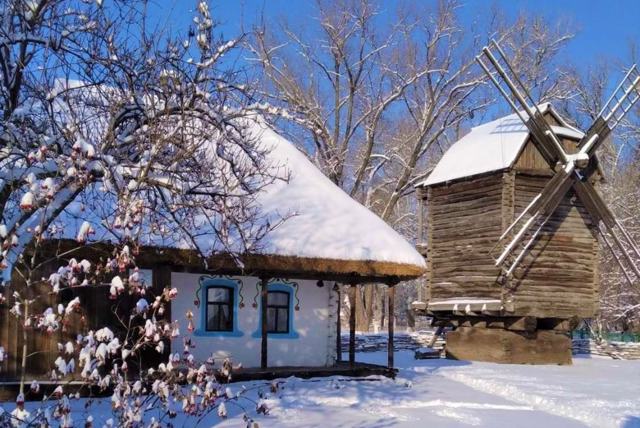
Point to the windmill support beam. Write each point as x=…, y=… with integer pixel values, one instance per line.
x=528, y=245
x=616, y=258
x=509, y=347
x=629, y=238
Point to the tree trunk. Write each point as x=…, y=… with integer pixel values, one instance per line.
x=411, y=320
x=364, y=307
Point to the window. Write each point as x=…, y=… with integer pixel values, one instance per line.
x=219, y=300
x=146, y=277
x=280, y=316
x=219, y=309
x=277, y=312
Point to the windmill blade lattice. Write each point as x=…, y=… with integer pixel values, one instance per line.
x=506, y=80
x=572, y=170
x=624, y=97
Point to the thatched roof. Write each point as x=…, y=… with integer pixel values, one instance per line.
x=325, y=232
x=260, y=265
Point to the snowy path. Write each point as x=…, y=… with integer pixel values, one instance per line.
x=595, y=392
x=598, y=392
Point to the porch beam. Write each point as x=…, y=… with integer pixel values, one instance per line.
x=391, y=294
x=263, y=320
x=338, y=325
x=352, y=324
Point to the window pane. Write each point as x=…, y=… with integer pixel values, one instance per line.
x=278, y=298
x=218, y=294
x=213, y=320
x=226, y=322
x=219, y=318
x=146, y=277
x=283, y=320
x=271, y=319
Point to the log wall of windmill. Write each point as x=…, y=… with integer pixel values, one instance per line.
x=558, y=276
x=464, y=223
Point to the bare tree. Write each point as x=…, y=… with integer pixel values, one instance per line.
x=619, y=159
x=154, y=121
x=381, y=101
x=113, y=131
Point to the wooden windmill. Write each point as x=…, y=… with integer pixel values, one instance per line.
x=511, y=216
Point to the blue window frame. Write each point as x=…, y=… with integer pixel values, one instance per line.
x=218, y=307
x=280, y=313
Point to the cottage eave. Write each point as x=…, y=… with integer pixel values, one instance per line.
x=260, y=265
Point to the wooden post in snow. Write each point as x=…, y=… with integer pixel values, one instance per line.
x=352, y=325
x=263, y=320
x=338, y=326
x=391, y=293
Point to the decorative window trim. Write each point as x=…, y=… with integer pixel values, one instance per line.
x=206, y=282
x=287, y=287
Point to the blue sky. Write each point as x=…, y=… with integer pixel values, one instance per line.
x=604, y=27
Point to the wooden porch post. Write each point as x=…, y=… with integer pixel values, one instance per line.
x=352, y=325
x=390, y=321
x=263, y=318
x=338, y=325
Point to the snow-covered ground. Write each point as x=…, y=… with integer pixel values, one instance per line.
x=594, y=392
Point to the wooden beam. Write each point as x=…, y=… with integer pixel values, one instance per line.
x=352, y=325
x=338, y=326
x=263, y=317
x=391, y=294
x=504, y=346
x=526, y=323
x=559, y=324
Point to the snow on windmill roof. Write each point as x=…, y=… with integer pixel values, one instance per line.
x=491, y=147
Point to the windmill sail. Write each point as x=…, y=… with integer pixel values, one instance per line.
x=506, y=80
x=575, y=171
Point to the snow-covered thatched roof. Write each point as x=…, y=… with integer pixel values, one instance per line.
x=320, y=228
x=491, y=147
x=327, y=223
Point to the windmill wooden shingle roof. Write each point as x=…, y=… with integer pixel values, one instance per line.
x=492, y=146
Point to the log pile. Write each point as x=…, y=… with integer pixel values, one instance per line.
x=401, y=342
x=616, y=350
x=418, y=340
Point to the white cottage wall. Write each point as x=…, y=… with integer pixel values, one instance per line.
x=314, y=324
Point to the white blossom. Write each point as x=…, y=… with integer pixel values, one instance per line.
x=26, y=202
x=84, y=231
